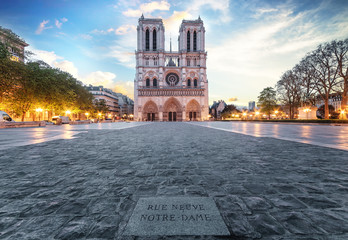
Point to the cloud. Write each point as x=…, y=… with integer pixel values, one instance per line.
x=232, y=99
x=67, y=66
x=100, y=78
x=55, y=61
x=86, y=36
x=261, y=11
x=147, y=8
x=126, y=88
x=42, y=26
x=59, y=24
x=123, y=57
x=223, y=6
x=125, y=29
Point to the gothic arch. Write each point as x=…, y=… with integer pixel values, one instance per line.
x=172, y=110
x=154, y=39
x=194, y=41
x=150, y=111
x=188, y=38
x=147, y=39
x=193, y=110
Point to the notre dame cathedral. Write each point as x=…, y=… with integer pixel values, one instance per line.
x=168, y=85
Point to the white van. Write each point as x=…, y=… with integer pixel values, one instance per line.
x=60, y=119
x=4, y=117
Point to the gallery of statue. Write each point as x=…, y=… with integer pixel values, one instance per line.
x=168, y=85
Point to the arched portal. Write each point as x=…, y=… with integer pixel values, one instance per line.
x=150, y=111
x=172, y=110
x=193, y=111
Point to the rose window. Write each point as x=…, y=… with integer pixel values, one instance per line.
x=172, y=79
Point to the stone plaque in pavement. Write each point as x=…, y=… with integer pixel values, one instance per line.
x=176, y=216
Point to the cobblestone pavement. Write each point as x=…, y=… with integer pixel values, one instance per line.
x=87, y=187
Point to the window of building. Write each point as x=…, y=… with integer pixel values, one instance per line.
x=188, y=61
x=188, y=82
x=147, y=40
x=194, y=62
x=147, y=61
x=195, y=83
x=155, y=61
x=194, y=41
x=147, y=82
x=154, y=40
x=188, y=41
x=154, y=82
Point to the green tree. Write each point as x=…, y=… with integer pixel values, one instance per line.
x=100, y=106
x=267, y=100
x=229, y=110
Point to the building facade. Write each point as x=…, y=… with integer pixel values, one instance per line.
x=168, y=85
x=14, y=44
x=110, y=98
x=126, y=105
x=217, y=108
x=251, y=105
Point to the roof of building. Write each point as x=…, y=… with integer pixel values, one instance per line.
x=10, y=35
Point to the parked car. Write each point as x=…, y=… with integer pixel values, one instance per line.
x=4, y=117
x=60, y=119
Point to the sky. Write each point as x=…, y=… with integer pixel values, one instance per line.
x=249, y=43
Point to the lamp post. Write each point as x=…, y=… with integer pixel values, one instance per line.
x=39, y=111
x=67, y=112
x=87, y=115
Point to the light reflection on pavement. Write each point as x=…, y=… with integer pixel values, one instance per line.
x=333, y=136
x=14, y=137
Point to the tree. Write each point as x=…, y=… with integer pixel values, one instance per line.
x=325, y=73
x=100, y=106
x=289, y=91
x=229, y=110
x=340, y=50
x=267, y=100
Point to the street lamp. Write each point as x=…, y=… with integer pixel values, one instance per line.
x=87, y=115
x=39, y=110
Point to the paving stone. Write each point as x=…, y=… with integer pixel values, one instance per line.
x=330, y=221
x=240, y=226
x=88, y=187
x=297, y=223
x=319, y=201
x=286, y=201
x=266, y=225
x=256, y=203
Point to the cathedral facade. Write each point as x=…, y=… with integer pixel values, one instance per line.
x=168, y=85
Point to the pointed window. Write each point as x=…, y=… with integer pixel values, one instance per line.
x=154, y=39
x=194, y=41
x=147, y=40
x=188, y=82
x=195, y=84
x=154, y=82
x=188, y=41
x=147, y=82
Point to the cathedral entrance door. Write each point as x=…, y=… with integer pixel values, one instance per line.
x=153, y=117
x=172, y=116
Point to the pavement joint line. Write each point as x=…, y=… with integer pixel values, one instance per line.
x=344, y=148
